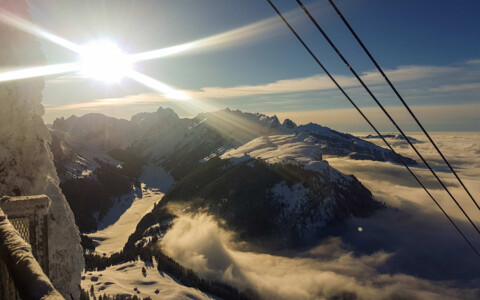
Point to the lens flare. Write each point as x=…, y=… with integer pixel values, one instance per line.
x=157, y=85
x=104, y=60
x=159, y=53
x=26, y=26
x=39, y=71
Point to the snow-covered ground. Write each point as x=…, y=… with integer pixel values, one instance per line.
x=275, y=149
x=110, y=239
x=128, y=279
x=288, y=148
x=113, y=238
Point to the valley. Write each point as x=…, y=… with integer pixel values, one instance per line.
x=113, y=237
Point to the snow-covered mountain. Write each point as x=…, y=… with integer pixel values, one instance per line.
x=160, y=132
x=182, y=144
x=297, y=192
x=97, y=132
x=163, y=137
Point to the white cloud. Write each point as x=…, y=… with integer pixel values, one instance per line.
x=459, y=117
x=323, y=272
x=294, y=85
x=312, y=83
x=321, y=82
x=122, y=101
x=408, y=73
x=398, y=241
x=473, y=62
x=395, y=186
x=456, y=87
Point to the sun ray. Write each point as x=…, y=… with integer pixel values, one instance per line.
x=26, y=26
x=228, y=38
x=223, y=39
x=157, y=85
x=39, y=71
x=159, y=53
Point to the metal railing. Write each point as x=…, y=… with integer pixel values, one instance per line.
x=24, y=249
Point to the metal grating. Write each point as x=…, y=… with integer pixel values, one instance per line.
x=22, y=225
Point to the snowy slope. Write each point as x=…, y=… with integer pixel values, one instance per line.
x=304, y=147
x=123, y=217
x=114, y=237
x=128, y=279
x=342, y=144
x=287, y=148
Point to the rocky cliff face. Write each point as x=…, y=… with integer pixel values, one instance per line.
x=26, y=163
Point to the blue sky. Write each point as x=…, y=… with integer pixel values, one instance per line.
x=430, y=48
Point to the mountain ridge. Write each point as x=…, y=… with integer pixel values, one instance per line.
x=239, y=142
x=153, y=135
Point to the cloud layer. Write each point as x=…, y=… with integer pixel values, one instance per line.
x=407, y=251
x=327, y=271
x=454, y=117
x=295, y=85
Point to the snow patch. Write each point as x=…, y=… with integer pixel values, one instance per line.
x=128, y=279
x=288, y=148
x=113, y=238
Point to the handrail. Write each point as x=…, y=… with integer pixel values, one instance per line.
x=16, y=254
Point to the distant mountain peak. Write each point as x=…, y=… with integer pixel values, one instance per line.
x=166, y=110
x=289, y=124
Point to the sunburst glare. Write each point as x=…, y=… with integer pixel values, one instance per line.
x=157, y=85
x=105, y=61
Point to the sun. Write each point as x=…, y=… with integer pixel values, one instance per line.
x=104, y=60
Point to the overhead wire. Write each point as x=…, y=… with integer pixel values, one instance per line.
x=372, y=126
x=367, y=52
x=352, y=70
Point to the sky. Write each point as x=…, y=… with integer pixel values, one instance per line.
x=253, y=63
